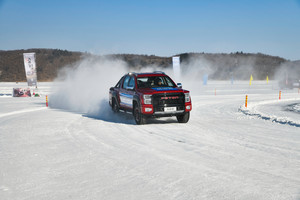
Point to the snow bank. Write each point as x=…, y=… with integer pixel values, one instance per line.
x=275, y=111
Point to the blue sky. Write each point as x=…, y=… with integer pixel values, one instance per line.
x=162, y=28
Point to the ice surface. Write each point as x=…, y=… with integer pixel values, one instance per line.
x=225, y=151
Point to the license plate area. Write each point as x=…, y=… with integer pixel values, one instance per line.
x=170, y=109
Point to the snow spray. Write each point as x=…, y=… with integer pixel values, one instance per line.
x=83, y=87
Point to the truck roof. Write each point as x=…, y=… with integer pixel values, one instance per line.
x=156, y=73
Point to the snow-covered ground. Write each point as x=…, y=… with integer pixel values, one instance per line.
x=225, y=151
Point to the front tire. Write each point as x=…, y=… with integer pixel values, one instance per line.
x=183, y=118
x=138, y=117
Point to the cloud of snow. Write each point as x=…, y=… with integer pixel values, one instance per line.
x=288, y=74
x=219, y=67
x=84, y=88
x=197, y=68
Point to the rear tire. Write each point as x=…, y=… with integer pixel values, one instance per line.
x=115, y=106
x=138, y=117
x=183, y=118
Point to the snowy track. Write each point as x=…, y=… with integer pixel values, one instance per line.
x=220, y=154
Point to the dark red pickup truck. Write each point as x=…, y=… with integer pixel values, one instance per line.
x=150, y=95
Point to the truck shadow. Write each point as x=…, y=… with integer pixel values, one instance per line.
x=105, y=113
x=127, y=118
x=109, y=116
x=163, y=120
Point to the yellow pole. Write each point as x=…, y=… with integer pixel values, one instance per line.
x=251, y=79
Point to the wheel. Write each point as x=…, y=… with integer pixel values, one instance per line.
x=183, y=118
x=115, y=106
x=138, y=117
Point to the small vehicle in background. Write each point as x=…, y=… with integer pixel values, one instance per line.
x=289, y=83
x=21, y=92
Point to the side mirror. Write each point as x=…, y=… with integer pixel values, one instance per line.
x=179, y=85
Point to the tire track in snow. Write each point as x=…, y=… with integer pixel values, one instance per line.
x=21, y=112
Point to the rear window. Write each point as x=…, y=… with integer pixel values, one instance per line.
x=154, y=81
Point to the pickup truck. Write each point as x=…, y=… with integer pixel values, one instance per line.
x=147, y=95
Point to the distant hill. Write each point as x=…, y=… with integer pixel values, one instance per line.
x=48, y=62
x=218, y=66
